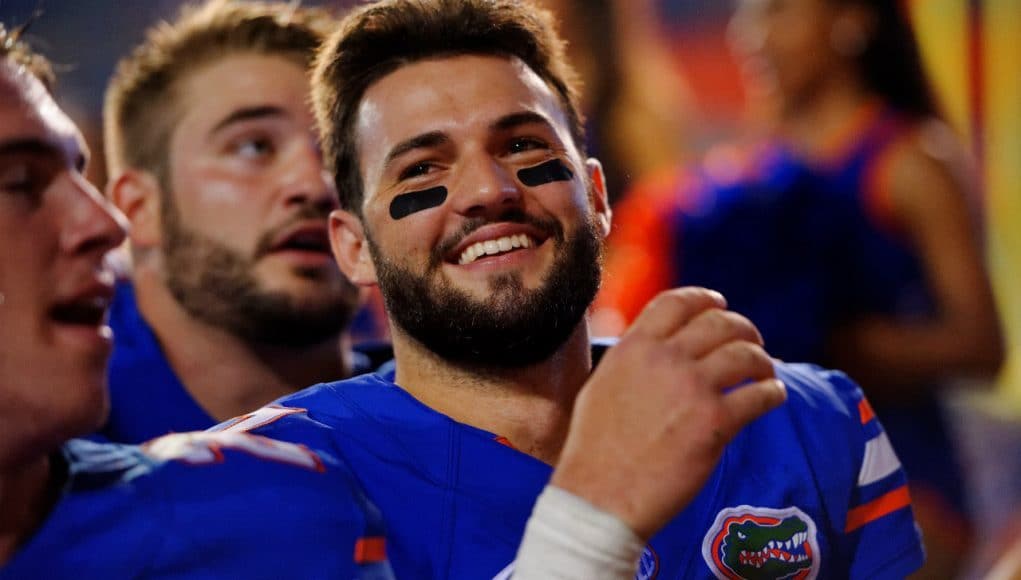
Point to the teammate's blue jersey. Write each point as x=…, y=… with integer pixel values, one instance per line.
x=147, y=399
x=812, y=489
x=204, y=505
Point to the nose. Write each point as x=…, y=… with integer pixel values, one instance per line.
x=486, y=189
x=93, y=225
x=304, y=181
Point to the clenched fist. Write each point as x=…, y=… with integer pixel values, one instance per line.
x=652, y=421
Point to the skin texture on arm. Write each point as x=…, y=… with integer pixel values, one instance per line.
x=927, y=203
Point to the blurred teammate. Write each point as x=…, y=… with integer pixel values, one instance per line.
x=849, y=238
x=234, y=298
x=189, y=505
x=452, y=130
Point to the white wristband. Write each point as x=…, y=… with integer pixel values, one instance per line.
x=568, y=538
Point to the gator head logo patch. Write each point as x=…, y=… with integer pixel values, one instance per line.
x=748, y=543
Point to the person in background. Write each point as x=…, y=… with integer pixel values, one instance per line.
x=850, y=237
x=233, y=298
x=638, y=106
x=186, y=506
x=452, y=131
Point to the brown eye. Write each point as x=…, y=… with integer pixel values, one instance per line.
x=522, y=144
x=255, y=149
x=415, y=170
x=27, y=179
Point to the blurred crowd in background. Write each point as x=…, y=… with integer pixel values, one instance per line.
x=678, y=111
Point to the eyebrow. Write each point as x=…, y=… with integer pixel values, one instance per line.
x=30, y=147
x=41, y=148
x=247, y=114
x=423, y=141
x=436, y=138
x=514, y=120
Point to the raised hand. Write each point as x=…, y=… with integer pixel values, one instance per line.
x=652, y=421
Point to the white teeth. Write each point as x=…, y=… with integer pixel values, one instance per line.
x=493, y=247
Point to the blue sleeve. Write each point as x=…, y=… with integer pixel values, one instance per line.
x=880, y=535
x=245, y=506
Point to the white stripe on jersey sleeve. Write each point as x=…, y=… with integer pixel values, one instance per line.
x=880, y=460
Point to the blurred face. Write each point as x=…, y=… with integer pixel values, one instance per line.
x=500, y=270
x=55, y=230
x=245, y=238
x=786, y=46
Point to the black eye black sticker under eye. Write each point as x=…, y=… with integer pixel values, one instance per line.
x=406, y=204
x=552, y=170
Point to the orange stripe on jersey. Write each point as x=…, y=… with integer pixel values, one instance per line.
x=838, y=146
x=865, y=411
x=504, y=441
x=877, y=508
x=877, y=183
x=370, y=550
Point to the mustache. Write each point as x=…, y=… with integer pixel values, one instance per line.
x=305, y=213
x=550, y=227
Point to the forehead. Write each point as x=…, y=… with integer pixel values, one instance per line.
x=241, y=81
x=28, y=112
x=451, y=95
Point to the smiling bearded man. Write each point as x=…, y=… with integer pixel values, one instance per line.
x=458, y=154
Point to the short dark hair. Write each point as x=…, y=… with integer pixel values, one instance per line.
x=15, y=51
x=141, y=99
x=375, y=40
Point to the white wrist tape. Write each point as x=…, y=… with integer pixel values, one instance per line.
x=568, y=538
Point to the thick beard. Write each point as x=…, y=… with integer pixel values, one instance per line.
x=514, y=328
x=215, y=284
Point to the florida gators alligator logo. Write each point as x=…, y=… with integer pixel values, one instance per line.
x=747, y=542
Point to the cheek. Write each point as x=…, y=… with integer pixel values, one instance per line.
x=217, y=188
x=29, y=252
x=397, y=238
x=221, y=206
x=565, y=201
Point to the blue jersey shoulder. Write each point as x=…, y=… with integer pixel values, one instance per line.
x=205, y=505
x=823, y=459
x=147, y=399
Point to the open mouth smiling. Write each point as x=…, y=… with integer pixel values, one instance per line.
x=495, y=247
x=493, y=241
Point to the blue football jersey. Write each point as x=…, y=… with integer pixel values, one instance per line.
x=147, y=399
x=203, y=505
x=811, y=490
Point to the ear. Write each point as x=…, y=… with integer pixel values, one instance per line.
x=137, y=195
x=351, y=248
x=852, y=30
x=598, y=196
